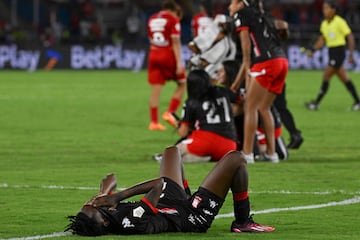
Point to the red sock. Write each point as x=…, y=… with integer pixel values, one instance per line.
x=174, y=104
x=154, y=114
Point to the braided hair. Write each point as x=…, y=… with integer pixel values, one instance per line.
x=83, y=225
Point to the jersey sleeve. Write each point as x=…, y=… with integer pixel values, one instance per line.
x=322, y=25
x=188, y=113
x=176, y=27
x=343, y=25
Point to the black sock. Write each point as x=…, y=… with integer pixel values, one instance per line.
x=241, y=209
x=323, y=90
x=351, y=88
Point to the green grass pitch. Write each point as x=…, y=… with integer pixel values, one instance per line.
x=62, y=131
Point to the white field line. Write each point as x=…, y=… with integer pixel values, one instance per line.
x=59, y=234
x=285, y=192
x=353, y=200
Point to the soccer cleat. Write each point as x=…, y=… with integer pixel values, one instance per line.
x=156, y=127
x=249, y=158
x=274, y=158
x=355, y=107
x=312, y=105
x=168, y=117
x=295, y=141
x=158, y=157
x=250, y=227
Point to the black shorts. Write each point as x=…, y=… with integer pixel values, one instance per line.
x=195, y=214
x=337, y=56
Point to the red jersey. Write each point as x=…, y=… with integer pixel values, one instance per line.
x=161, y=26
x=199, y=23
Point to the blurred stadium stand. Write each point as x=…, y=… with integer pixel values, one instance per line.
x=37, y=25
x=99, y=21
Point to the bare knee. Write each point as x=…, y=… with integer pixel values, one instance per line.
x=235, y=158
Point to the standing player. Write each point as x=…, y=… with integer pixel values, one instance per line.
x=296, y=138
x=264, y=65
x=165, y=61
x=202, y=20
x=335, y=32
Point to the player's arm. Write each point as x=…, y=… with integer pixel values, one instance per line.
x=283, y=28
x=318, y=44
x=152, y=190
x=176, y=47
x=246, y=60
x=183, y=129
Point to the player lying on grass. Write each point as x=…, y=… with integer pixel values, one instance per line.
x=165, y=207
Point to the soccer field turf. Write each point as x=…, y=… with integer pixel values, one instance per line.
x=62, y=131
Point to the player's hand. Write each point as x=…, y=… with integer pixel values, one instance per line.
x=308, y=52
x=108, y=184
x=351, y=59
x=105, y=201
x=180, y=69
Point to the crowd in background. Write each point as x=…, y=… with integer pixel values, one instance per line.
x=124, y=21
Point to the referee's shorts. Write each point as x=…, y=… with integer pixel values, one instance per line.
x=337, y=56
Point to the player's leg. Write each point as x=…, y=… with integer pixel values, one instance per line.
x=231, y=173
x=281, y=148
x=328, y=73
x=171, y=165
x=255, y=93
x=175, y=102
x=154, y=107
x=343, y=76
x=268, y=122
x=191, y=158
x=156, y=80
x=296, y=139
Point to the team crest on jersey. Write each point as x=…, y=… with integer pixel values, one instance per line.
x=196, y=201
x=138, y=212
x=126, y=223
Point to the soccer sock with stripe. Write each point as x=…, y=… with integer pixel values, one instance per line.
x=241, y=206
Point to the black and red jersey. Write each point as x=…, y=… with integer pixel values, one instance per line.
x=264, y=40
x=212, y=113
x=173, y=213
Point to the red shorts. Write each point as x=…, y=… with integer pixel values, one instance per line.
x=205, y=143
x=271, y=74
x=162, y=66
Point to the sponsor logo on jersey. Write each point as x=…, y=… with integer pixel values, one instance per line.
x=126, y=223
x=212, y=203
